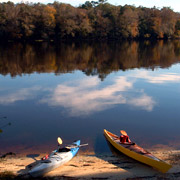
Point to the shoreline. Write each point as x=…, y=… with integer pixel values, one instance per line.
x=92, y=166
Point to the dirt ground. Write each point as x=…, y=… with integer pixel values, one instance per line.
x=91, y=166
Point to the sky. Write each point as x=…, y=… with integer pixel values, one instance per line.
x=174, y=4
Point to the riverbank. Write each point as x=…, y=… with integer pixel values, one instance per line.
x=91, y=166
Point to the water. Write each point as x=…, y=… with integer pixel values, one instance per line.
x=76, y=90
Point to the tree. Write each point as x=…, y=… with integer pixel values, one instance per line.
x=44, y=21
x=177, y=29
x=128, y=22
x=168, y=22
x=9, y=22
x=86, y=5
x=26, y=20
x=150, y=23
x=102, y=1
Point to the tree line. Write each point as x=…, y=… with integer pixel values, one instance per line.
x=91, y=20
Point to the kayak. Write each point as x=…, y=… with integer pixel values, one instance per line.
x=55, y=159
x=136, y=152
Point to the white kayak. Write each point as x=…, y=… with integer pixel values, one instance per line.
x=55, y=159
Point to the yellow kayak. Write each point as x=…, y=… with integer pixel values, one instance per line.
x=136, y=152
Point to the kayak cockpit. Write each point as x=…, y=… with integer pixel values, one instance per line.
x=63, y=150
x=46, y=161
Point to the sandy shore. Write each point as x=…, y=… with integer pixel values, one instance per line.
x=91, y=166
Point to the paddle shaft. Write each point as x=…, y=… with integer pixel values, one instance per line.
x=83, y=145
x=75, y=146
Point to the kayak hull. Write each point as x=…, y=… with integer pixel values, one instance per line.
x=136, y=152
x=55, y=160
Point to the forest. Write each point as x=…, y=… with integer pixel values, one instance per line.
x=91, y=20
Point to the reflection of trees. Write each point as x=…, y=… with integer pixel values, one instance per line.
x=3, y=125
x=93, y=59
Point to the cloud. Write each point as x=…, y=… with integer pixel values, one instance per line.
x=144, y=101
x=20, y=95
x=158, y=79
x=84, y=96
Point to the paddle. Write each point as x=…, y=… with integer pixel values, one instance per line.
x=59, y=140
x=123, y=132
x=75, y=146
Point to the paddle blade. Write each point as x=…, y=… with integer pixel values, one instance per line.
x=59, y=140
x=123, y=132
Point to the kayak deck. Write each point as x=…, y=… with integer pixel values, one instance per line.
x=136, y=152
x=135, y=148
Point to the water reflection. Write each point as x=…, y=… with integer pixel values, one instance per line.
x=124, y=89
x=3, y=123
x=85, y=96
x=93, y=58
x=157, y=78
x=18, y=95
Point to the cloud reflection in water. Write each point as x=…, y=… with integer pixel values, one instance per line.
x=157, y=79
x=85, y=96
x=89, y=94
x=19, y=95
